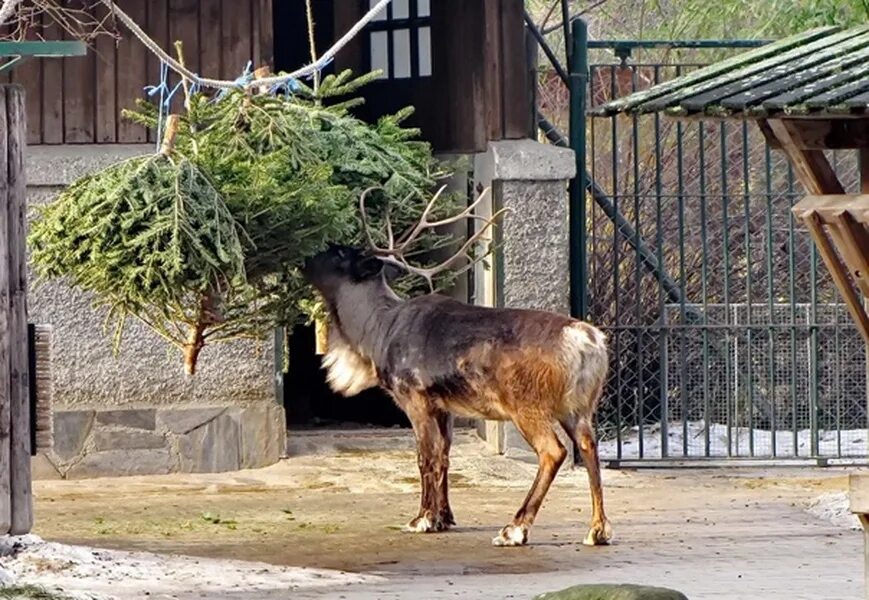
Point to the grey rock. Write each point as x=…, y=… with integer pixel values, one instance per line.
x=263, y=435
x=122, y=462
x=212, y=448
x=71, y=429
x=127, y=440
x=613, y=592
x=185, y=420
x=133, y=418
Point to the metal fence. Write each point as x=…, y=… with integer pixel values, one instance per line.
x=728, y=337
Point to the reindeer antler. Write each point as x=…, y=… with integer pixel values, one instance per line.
x=396, y=251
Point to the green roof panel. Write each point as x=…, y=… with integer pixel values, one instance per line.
x=822, y=70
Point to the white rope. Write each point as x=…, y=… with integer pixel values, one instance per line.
x=7, y=9
x=325, y=59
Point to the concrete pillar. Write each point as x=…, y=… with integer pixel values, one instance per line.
x=531, y=267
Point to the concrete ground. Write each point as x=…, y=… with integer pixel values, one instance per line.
x=339, y=502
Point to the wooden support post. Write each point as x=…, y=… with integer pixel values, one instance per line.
x=16, y=502
x=853, y=243
x=838, y=272
x=864, y=170
x=5, y=333
x=811, y=166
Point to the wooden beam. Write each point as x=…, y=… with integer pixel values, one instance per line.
x=823, y=134
x=864, y=170
x=828, y=206
x=837, y=271
x=853, y=242
x=767, y=132
x=811, y=166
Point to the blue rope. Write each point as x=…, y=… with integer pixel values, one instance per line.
x=288, y=87
x=240, y=81
x=162, y=88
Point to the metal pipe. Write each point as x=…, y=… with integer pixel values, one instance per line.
x=578, y=85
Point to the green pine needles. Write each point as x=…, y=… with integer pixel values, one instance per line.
x=203, y=242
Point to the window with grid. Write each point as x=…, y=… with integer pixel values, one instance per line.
x=399, y=39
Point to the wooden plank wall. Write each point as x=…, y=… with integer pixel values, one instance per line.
x=79, y=100
x=486, y=97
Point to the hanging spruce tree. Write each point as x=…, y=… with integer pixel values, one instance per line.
x=204, y=241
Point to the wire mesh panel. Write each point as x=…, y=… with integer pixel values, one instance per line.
x=727, y=336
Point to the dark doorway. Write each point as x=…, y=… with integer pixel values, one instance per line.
x=291, y=45
x=309, y=402
x=307, y=398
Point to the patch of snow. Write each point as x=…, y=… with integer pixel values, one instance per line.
x=854, y=443
x=93, y=573
x=833, y=507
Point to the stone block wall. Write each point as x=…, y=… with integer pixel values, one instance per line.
x=146, y=441
x=137, y=412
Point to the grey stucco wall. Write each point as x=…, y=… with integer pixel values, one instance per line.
x=536, y=261
x=114, y=414
x=147, y=372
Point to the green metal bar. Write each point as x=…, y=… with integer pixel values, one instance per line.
x=676, y=44
x=746, y=200
x=578, y=89
x=704, y=279
x=638, y=283
x=680, y=207
x=547, y=49
x=771, y=339
x=792, y=292
x=728, y=366
x=43, y=49
x=565, y=27
x=663, y=400
x=837, y=340
x=617, y=346
x=623, y=226
x=813, y=355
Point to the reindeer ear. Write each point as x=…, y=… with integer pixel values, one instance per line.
x=392, y=272
x=368, y=267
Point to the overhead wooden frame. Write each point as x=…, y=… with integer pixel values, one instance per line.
x=838, y=222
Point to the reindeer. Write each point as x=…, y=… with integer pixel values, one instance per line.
x=438, y=357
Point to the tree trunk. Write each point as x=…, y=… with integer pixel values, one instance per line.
x=195, y=342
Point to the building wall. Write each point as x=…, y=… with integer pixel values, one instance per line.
x=79, y=100
x=137, y=412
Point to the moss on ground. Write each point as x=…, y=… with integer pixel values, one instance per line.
x=29, y=592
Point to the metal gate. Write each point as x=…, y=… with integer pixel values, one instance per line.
x=728, y=338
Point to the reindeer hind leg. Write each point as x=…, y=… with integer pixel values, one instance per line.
x=540, y=435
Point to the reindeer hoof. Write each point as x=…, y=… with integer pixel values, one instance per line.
x=599, y=534
x=427, y=523
x=511, y=535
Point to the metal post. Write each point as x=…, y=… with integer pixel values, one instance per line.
x=578, y=80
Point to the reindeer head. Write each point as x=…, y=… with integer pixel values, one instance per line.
x=339, y=266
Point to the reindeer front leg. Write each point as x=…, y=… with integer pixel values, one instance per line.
x=433, y=429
